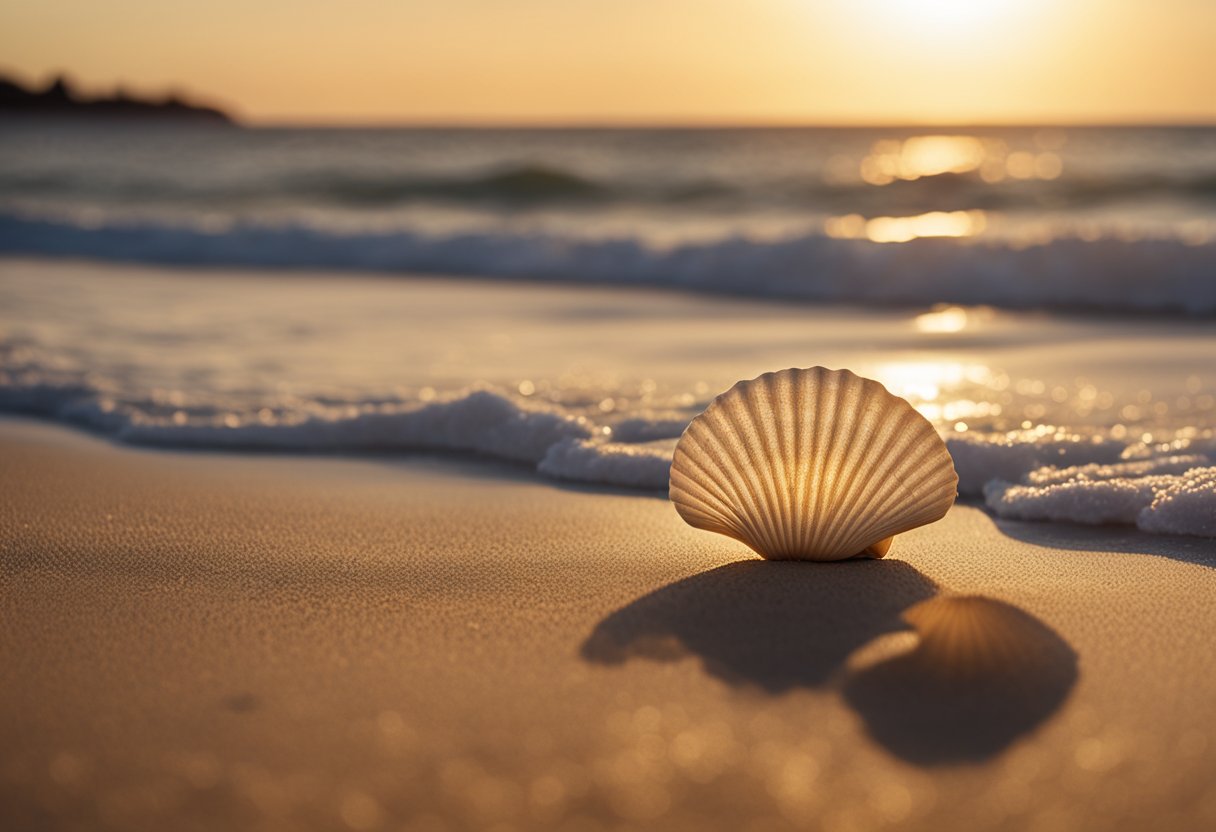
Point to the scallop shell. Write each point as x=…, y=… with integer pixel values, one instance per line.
x=811, y=465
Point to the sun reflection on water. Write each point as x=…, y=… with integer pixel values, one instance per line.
x=943, y=392
x=903, y=229
x=943, y=320
x=917, y=157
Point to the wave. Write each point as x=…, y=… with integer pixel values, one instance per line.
x=533, y=184
x=508, y=184
x=522, y=184
x=1040, y=474
x=1162, y=276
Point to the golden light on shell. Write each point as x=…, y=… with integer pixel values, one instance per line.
x=812, y=464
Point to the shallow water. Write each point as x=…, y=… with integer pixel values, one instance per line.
x=595, y=385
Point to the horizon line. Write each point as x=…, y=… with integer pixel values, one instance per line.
x=706, y=124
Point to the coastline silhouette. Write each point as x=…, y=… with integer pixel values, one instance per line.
x=60, y=99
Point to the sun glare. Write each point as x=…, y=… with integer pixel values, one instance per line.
x=943, y=15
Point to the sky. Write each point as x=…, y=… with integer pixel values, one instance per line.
x=638, y=61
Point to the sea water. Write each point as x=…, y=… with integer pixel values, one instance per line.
x=1082, y=217
x=909, y=253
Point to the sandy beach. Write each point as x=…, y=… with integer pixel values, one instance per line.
x=201, y=641
x=608, y=417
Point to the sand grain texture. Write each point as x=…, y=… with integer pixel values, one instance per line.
x=208, y=641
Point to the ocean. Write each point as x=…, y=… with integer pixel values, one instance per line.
x=1090, y=218
x=1044, y=296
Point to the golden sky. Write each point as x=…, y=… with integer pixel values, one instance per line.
x=640, y=61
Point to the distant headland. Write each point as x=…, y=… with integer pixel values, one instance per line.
x=59, y=100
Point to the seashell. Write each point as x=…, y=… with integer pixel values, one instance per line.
x=811, y=464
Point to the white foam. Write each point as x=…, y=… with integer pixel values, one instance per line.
x=1140, y=468
x=1163, y=504
x=1042, y=474
x=648, y=429
x=612, y=463
x=1187, y=505
x=1079, y=501
x=482, y=421
x=980, y=458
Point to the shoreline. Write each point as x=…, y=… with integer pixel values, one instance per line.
x=482, y=466
x=358, y=366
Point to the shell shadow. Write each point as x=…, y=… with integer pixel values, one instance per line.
x=979, y=673
x=773, y=625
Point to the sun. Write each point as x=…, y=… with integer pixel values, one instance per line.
x=960, y=16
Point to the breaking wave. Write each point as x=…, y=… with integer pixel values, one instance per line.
x=1156, y=275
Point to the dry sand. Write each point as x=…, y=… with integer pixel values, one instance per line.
x=220, y=642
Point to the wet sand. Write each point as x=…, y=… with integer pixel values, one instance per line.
x=205, y=641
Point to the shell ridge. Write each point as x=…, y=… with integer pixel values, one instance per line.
x=912, y=473
x=711, y=482
x=776, y=461
x=781, y=385
x=896, y=490
x=705, y=501
x=858, y=516
x=807, y=458
x=856, y=523
x=820, y=447
x=834, y=467
x=689, y=506
x=739, y=476
x=769, y=462
x=693, y=497
x=844, y=485
x=758, y=490
x=717, y=477
x=745, y=428
x=882, y=492
x=708, y=524
x=801, y=459
x=929, y=481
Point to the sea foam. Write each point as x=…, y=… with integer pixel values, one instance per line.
x=1165, y=504
x=1045, y=473
x=646, y=465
